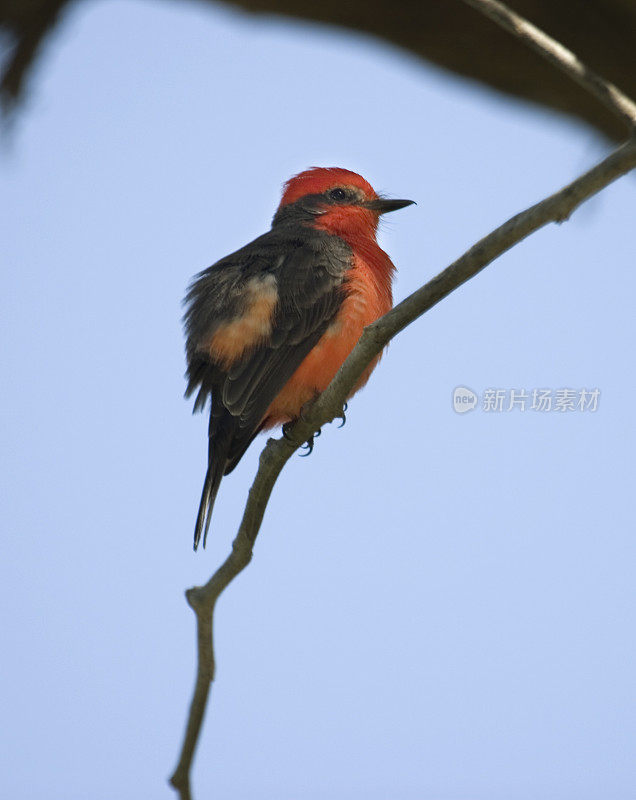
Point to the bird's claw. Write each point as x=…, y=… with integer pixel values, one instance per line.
x=342, y=416
x=308, y=446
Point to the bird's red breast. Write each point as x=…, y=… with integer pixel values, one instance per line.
x=368, y=297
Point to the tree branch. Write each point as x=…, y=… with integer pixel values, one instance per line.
x=560, y=56
x=556, y=208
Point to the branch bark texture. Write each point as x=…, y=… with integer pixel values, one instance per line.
x=555, y=208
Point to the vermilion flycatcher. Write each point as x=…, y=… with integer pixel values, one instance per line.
x=269, y=326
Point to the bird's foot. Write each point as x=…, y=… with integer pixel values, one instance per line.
x=287, y=426
x=309, y=444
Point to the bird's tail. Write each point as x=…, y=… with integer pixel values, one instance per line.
x=219, y=443
x=208, y=496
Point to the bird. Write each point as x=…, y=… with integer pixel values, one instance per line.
x=268, y=326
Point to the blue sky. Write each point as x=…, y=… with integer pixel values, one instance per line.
x=440, y=606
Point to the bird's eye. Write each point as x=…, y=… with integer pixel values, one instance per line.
x=337, y=194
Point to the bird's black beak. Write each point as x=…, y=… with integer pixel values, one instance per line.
x=383, y=206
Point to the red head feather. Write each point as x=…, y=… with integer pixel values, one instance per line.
x=318, y=179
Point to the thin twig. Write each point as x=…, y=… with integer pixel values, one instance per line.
x=375, y=337
x=560, y=56
x=203, y=599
